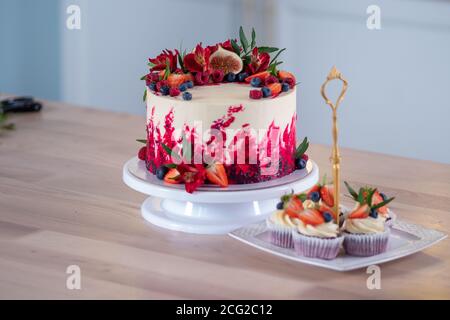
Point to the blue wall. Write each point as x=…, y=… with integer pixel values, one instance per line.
x=399, y=75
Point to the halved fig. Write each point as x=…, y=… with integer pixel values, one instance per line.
x=225, y=60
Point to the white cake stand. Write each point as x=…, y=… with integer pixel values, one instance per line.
x=211, y=209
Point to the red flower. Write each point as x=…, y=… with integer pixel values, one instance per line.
x=161, y=61
x=226, y=45
x=197, y=61
x=193, y=176
x=258, y=62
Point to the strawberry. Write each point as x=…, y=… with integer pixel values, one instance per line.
x=327, y=195
x=172, y=176
x=275, y=88
x=175, y=80
x=142, y=153
x=376, y=199
x=287, y=77
x=262, y=75
x=311, y=216
x=360, y=213
x=216, y=174
x=293, y=207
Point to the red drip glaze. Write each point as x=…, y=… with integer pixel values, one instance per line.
x=243, y=141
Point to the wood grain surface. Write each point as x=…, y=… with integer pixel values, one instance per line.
x=63, y=202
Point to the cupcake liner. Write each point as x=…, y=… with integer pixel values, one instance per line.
x=280, y=236
x=365, y=245
x=315, y=247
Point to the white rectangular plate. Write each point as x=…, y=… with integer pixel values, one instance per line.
x=406, y=238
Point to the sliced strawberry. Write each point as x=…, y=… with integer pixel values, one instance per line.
x=293, y=207
x=376, y=199
x=275, y=88
x=287, y=77
x=327, y=195
x=262, y=75
x=176, y=79
x=216, y=174
x=172, y=176
x=360, y=212
x=311, y=216
x=324, y=208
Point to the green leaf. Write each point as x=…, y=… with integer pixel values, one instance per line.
x=145, y=95
x=285, y=198
x=370, y=196
x=167, y=70
x=166, y=149
x=301, y=149
x=252, y=45
x=382, y=204
x=143, y=77
x=360, y=198
x=151, y=64
x=302, y=196
x=276, y=56
x=351, y=191
x=170, y=165
x=324, y=179
x=236, y=47
x=144, y=141
x=243, y=38
x=267, y=49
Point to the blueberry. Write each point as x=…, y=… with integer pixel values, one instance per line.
x=230, y=77
x=300, y=163
x=183, y=87
x=373, y=213
x=314, y=196
x=187, y=96
x=152, y=86
x=266, y=92
x=255, y=82
x=189, y=84
x=164, y=90
x=241, y=76
x=285, y=87
x=161, y=172
x=327, y=217
x=383, y=196
x=280, y=205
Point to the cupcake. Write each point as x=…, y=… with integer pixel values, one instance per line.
x=365, y=232
x=316, y=234
x=378, y=202
x=281, y=223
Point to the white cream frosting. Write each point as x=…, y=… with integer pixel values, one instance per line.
x=210, y=103
x=279, y=217
x=324, y=230
x=365, y=225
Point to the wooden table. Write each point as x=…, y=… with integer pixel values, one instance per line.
x=63, y=202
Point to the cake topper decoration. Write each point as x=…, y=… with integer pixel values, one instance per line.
x=335, y=158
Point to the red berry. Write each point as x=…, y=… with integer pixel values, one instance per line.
x=271, y=79
x=255, y=94
x=160, y=84
x=174, y=92
x=202, y=78
x=305, y=157
x=154, y=76
x=142, y=153
x=217, y=76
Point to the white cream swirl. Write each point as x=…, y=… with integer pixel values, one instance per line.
x=324, y=230
x=365, y=225
x=279, y=217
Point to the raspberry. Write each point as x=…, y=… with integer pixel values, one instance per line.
x=217, y=76
x=270, y=80
x=174, y=92
x=255, y=94
x=305, y=157
x=202, y=78
x=142, y=153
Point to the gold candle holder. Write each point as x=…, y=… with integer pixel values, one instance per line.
x=335, y=156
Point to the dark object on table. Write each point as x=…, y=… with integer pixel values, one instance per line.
x=20, y=104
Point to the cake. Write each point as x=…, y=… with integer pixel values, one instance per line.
x=221, y=114
x=365, y=229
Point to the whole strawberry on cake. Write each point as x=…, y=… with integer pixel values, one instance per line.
x=221, y=114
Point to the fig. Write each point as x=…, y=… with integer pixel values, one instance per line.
x=225, y=60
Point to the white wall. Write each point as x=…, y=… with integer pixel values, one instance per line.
x=399, y=75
